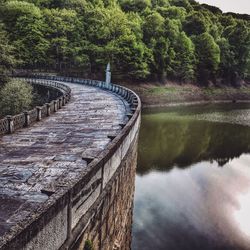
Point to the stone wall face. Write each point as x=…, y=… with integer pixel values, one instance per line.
x=111, y=216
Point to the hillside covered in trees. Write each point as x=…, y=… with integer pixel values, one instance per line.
x=179, y=40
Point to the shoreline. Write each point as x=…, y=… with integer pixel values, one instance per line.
x=170, y=95
x=201, y=102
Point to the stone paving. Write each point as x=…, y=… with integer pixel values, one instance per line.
x=50, y=153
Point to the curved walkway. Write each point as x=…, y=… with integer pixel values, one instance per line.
x=37, y=161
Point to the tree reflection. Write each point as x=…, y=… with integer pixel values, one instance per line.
x=169, y=140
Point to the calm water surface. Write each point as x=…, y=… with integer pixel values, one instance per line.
x=193, y=179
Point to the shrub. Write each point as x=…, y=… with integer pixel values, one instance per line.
x=88, y=245
x=15, y=97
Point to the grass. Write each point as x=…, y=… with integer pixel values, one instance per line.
x=156, y=94
x=162, y=90
x=212, y=91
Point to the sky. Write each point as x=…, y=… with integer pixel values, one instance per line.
x=237, y=6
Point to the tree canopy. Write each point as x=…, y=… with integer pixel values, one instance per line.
x=142, y=39
x=7, y=59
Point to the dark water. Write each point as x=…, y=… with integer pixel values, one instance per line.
x=193, y=179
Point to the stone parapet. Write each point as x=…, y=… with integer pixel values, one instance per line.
x=10, y=124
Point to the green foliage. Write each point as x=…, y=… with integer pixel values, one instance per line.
x=239, y=40
x=208, y=56
x=173, y=12
x=153, y=26
x=184, y=65
x=135, y=5
x=25, y=26
x=16, y=96
x=88, y=245
x=129, y=58
x=142, y=39
x=64, y=38
x=7, y=60
x=195, y=24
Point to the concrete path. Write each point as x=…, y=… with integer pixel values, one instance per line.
x=37, y=160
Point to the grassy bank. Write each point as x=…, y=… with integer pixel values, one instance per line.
x=164, y=95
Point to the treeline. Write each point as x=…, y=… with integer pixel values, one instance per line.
x=179, y=40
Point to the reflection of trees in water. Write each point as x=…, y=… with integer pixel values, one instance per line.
x=165, y=143
x=223, y=161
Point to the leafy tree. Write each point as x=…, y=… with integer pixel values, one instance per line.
x=213, y=9
x=227, y=21
x=208, y=56
x=24, y=20
x=160, y=3
x=239, y=40
x=7, y=60
x=183, y=3
x=184, y=64
x=135, y=5
x=16, y=96
x=153, y=26
x=143, y=39
x=162, y=56
x=131, y=58
x=195, y=24
x=118, y=41
x=173, y=12
x=64, y=37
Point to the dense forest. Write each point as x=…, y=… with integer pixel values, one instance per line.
x=179, y=40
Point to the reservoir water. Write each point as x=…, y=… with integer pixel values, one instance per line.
x=193, y=179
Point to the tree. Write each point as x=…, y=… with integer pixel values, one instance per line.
x=184, y=63
x=135, y=5
x=115, y=38
x=31, y=44
x=162, y=57
x=63, y=32
x=178, y=39
x=26, y=28
x=213, y=9
x=208, y=55
x=7, y=60
x=16, y=96
x=227, y=60
x=131, y=57
x=195, y=24
x=153, y=26
x=173, y=12
x=160, y=3
x=183, y=3
x=239, y=39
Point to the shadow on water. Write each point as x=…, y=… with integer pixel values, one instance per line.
x=193, y=180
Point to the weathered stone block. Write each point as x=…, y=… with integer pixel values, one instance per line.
x=85, y=199
x=57, y=228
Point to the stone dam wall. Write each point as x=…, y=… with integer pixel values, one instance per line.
x=110, y=219
x=97, y=208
